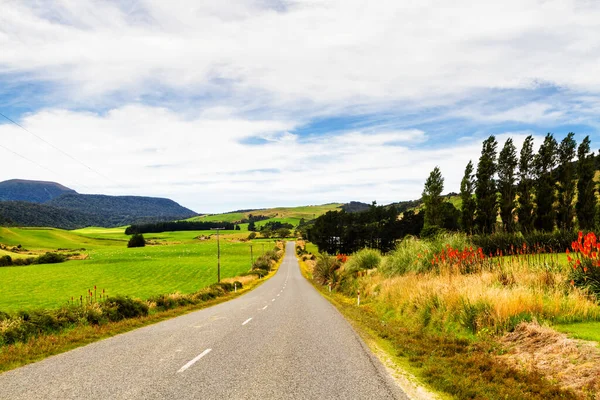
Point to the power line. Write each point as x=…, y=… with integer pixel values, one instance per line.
x=38, y=164
x=58, y=149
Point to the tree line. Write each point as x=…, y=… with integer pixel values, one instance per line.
x=378, y=227
x=551, y=189
x=174, y=226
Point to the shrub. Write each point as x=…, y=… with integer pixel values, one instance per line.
x=50, y=258
x=584, y=259
x=252, y=235
x=5, y=261
x=262, y=263
x=23, y=261
x=364, y=259
x=326, y=269
x=418, y=255
x=120, y=307
x=137, y=240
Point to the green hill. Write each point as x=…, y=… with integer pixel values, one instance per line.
x=31, y=191
x=291, y=215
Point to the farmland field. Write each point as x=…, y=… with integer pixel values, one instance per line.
x=290, y=215
x=181, y=263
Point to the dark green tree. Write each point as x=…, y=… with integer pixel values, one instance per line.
x=450, y=216
x=432, y=198
x=507, y=163
x=586, y=193
x=566, y=182
x=545, y=184
x=485, y=188
x=137, y=240
x=252, y=226
x=525, y=203
x=467, y=186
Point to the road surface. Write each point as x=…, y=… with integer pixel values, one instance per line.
x=282, y=340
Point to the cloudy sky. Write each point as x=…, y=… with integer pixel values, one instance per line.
x=257, y=103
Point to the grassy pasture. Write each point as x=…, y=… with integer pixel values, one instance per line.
x=290, y=215
x=582, y=330
x=181, y=264
x=46, y=239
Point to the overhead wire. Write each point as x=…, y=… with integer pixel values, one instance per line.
x=38, y=164
x=58, y=149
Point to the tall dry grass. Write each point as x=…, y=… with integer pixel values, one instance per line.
x=499, y=295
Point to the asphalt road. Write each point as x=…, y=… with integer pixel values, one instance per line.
x=282, y=340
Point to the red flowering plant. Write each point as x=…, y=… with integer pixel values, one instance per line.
x=465, y=261
x=584, y=259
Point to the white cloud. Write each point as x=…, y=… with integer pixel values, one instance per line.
x=204, y=164
x=226, y=75
x=327, y=54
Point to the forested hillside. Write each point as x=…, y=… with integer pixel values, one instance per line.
x=127, y=207
x=31, y=191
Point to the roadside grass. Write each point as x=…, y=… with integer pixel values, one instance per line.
x=581, y=330
x=20, y=354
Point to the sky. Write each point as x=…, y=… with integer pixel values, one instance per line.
x=260, y=103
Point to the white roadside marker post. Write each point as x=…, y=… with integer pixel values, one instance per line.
x=234, y=287
x=358, y=300
x=329, y=287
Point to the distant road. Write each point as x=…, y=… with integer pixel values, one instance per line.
x=282, y=340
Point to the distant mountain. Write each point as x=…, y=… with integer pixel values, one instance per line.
x=121, y=210
x=35, y=203
x=31, y=191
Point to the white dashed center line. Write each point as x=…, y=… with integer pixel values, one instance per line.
x=246, y=321
x=265, y=307
x=192, y=362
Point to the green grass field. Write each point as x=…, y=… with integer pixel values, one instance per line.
x=181, y=264
x=581, y=330
x=290, y=215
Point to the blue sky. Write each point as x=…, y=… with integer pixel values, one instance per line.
x=273, y=103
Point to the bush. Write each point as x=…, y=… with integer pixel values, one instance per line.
x=23, y=261
x=326, y=269
x=364, y=259
x=120, y=307
x=50, y=258
x=5, y=261
x=137, y=240
x=252, y=235
x=263, y=263
x=416, y=255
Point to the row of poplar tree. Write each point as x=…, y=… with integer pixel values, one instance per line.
x=553, y=188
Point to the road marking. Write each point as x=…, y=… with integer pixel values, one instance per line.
x=192, y=362
x=246, y=321
x=278, y=294
x=265, y=307
x=273, y=300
